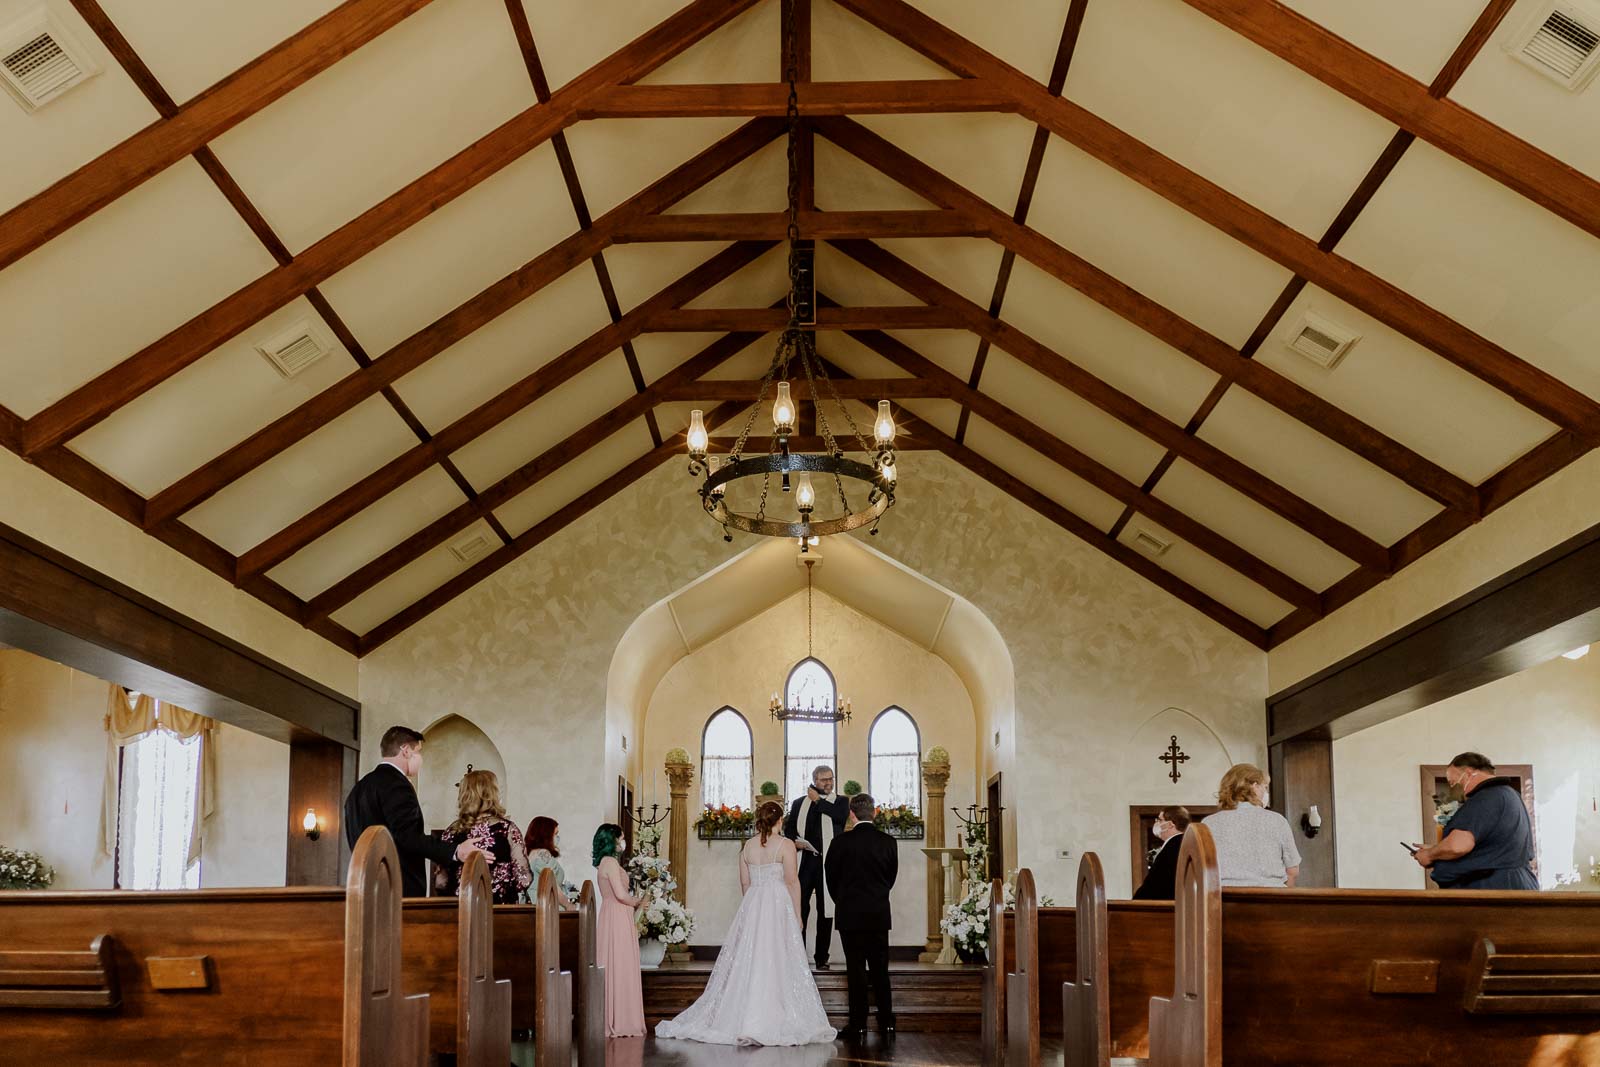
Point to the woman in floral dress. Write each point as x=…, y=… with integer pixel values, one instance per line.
x=481, y=820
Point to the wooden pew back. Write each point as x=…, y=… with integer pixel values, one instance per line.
x=589, y=979
x=449, y=953
x=1022, y=982
x=1186, y=1028
x=552, y=986
x=994, y=977
x=1086, y=1001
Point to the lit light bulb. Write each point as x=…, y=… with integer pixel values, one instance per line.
x=712, y=466
x=805, y=497
x=309, y=823
x=883, y=429
x=783, y=411
x=887, y=473
x=699, y=441
x=1577, y=653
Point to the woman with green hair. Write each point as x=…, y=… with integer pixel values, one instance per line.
x=617, y=940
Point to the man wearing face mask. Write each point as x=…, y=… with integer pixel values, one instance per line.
x=1488, y=842
x=1159, y=883
x=1254, y=844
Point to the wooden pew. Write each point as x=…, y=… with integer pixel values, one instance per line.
x=449, y=952
x=994, y=979
x=260, y=977
x=517, y=928
x=552, y=986
x=588, y=979
x=1022, y=984
x=1086, y=1001
x=1186, y=1028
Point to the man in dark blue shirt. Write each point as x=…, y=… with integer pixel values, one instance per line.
x=1488, y=842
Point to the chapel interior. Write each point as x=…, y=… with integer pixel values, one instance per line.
x=1028, y=410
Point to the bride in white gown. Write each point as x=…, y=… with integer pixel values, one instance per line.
x=761, y=991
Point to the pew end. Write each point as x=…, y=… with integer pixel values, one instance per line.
x=1022, y=984
x=1086, y=1001
x=552, y=986
x=1186, y=1028
x=994, y=979
x=589, y=985
x=382, y=1024
x=483, y=1003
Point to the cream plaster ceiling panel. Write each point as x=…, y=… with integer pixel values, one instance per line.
x=747, y=365
x=707, y=609
x=406, y=586
x=209, y=406
x=1070, y=418
x=1027, y=37
x=117, y=281
x=1105, y=344
x=1225, y=108
x=951, y=349
x=1268, y=536
x=673, y=419
x=47, y=145
x=1057, y=483
x=374, y=531
x=743, y=50
x=1461, y=422
x=844, y=48
x=576, y=478
x=1201, y=572
x=505, y=350
x=1490, y=259
x=546, y=423
x=640, y=271
x=755, y=286
x=943, y=415
x=1518, y=98
x=617, y=158
x=1313, y=467
x=379, y=118
x=846, y=183
x=905, y=602
x=985, y=152
x=303, y=476
x=966, y=264
x=189, y=46
x=574, y=35
x=844, y=281
x=1148, y=242
x=659, y=353
x=760, y=183
x=455, y=253
x=1415, y=37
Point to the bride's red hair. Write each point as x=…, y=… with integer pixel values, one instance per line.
x=768, y=815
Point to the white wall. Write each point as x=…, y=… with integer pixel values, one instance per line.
x=52, y=767
x=1547, y=716
x=872, y=665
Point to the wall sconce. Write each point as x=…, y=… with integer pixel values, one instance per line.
x=1311, y=821
x=312, y=825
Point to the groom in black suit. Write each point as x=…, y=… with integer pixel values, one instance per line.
x=811, y=837
x=861, y=869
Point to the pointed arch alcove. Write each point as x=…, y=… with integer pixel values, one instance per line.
x=453, y=742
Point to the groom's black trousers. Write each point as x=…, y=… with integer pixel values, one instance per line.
x=811, y=885
x=866, y=954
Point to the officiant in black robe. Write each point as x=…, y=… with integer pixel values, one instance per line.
x=823, y=820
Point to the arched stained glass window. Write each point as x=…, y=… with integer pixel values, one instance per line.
x=726, y=770
x=894, y=774
x=807, y=745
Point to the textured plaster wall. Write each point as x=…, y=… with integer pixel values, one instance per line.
x=1547, y=716
x=873, y=666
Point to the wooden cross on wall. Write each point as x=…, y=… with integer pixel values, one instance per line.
x=1174, y=755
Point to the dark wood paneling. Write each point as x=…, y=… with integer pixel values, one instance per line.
x=1302, y=775
x=321, y=774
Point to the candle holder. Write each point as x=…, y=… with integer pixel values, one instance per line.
x=658, y=815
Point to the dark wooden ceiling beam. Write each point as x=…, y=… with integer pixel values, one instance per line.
x=356, y=498
x=90, y=403
x=1409, y=104
x=1326, y=418
x=846, y=389
x=814, y=225
x=1530, y=386
x=730, y=320
x=914, y=97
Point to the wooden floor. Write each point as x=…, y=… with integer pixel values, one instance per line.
x=914, y=1050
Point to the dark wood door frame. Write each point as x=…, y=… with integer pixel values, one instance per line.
x=1431, y=782
x=1141, y=817
x=996, y=829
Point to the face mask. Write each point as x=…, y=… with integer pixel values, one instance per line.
x=622, y=845
x=1155, y=831
x=558, y=841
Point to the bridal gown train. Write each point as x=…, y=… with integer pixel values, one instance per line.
x=761, y=990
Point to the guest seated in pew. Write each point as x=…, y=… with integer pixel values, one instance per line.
x=1255, y=846
x=1488, y=842
x=1159, y=883
x=481, y=821
x=544, y=850
x=381, y=799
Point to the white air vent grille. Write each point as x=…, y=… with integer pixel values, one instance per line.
x=296, y=348
x=471, y=548
x=1320, y=340
x=40, y=60
x=1149, y=543
x=1562, y=42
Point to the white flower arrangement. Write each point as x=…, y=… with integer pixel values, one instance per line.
x=24, y=870
x=661, y=917
x=648, y=842
x=967, y=920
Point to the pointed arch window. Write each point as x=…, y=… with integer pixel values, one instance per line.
x=894, y=747
x=726, y=766
x=808, y=744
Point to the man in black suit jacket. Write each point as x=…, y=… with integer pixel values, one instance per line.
x=861, y=867
x=814, y=833
x=386, y=797
x=1160, y=882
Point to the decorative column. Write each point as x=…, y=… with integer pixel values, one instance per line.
x=680, y=774
x=935, y=777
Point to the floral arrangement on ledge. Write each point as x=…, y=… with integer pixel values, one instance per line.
x=24, y=870
x=725, y=823
x=967, y=921
x=660, y=917
x=901, y=821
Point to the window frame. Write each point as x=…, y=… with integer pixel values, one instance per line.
x=916, y=730
x=749, y=732
x=833, y=682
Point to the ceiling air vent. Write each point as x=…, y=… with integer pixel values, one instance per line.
x=1561, y=41
x=40, y=60
x=1149, y=543
x=296, y=348
x=471, y=547
x=1321, y=341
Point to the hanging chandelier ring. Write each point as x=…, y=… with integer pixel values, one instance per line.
x=794, y=463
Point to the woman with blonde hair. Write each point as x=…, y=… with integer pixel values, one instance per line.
x=1255, y=845
x=481, y=821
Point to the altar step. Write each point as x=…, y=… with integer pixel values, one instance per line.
x=927, y=997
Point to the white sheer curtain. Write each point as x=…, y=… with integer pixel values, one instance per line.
x=808, y=744
x=156, y=812
x=894, y=775
x=726, y=772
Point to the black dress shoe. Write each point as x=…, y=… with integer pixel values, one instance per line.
x=853, y=1034
x=887, y=1032
x=824, y=965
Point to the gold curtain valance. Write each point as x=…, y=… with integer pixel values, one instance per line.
x=128, y=720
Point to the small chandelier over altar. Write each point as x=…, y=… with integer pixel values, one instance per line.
x=812, y=514
x=834, y=709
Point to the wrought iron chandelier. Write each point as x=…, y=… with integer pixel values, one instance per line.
x=797, y=346
x=834, y=710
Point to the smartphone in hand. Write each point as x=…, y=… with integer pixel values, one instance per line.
x=1409, y=848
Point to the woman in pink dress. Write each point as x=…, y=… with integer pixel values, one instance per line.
x=617, y=939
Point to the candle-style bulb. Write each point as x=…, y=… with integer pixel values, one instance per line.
x=699, y=441
x=783, y=411
x=883, y=428
x=805, y=495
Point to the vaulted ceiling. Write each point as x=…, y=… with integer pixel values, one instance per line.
x=1068, y=238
